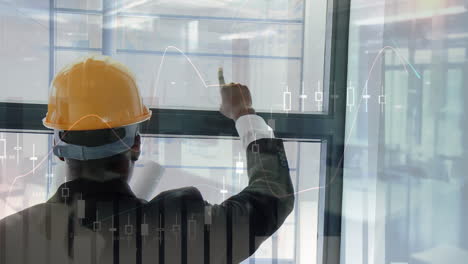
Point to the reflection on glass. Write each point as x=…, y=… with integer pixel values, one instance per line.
x=82, y=4
x=79, y=31
x=278, y=9
x=405, y=187
x=277, y=48
x=174, y=48
x=24, y=41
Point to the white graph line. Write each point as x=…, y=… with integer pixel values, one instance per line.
x=156, y=83
x=402, y=61
x=346, y=141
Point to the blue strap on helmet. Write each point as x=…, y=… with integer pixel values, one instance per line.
x=65, y=150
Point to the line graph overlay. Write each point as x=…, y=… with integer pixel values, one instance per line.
x=402, y=60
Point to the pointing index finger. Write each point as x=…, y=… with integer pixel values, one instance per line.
x=221, y=77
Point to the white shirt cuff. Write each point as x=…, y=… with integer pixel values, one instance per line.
x=251, y=128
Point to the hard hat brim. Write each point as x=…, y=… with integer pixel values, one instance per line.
x=98, y=124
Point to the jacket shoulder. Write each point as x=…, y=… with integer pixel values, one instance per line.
x=181, y=194
x=34, y=212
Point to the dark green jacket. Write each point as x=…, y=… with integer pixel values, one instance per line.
x=177, y=226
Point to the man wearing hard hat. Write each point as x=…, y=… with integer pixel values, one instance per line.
x=95, y=109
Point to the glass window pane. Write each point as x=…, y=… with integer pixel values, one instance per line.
x=24, y=43
x=404, y=187
x=174, y=48
x=198, y=85
x=293, y=82
x=211, y=36
x=25, y=163
x=276, y=48
x=81, y=4
x=80, y=31
x=32, y=174
x=278, y=9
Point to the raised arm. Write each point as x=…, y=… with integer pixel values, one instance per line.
x=242, y=222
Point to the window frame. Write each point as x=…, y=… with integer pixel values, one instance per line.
x=327, y=127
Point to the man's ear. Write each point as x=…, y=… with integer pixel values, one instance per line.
x=136, y=148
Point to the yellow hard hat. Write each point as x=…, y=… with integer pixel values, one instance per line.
x=93, y=93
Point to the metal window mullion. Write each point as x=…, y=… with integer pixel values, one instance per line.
x=330, y=203
x=52, y=36
x=301, y=82
x=77, y=11
x=51, y=40
x=108, y=27
x=297, y=228
x=25, y=116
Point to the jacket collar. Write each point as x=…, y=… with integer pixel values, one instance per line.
x=87, y=189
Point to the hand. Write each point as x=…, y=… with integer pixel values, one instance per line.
x=236, y=99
